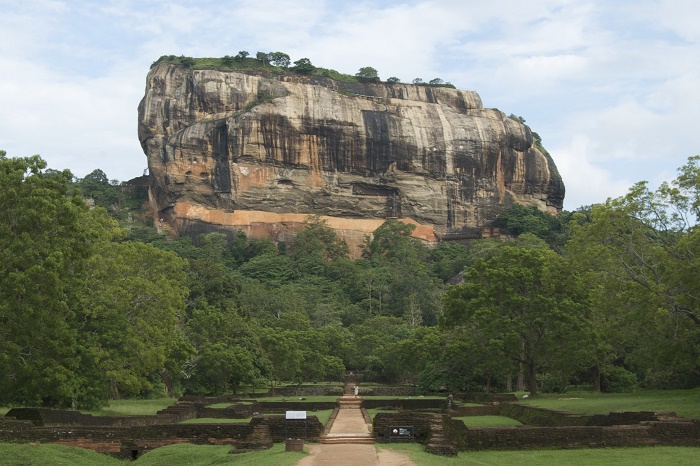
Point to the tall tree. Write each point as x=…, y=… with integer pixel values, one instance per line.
x=134, y=312
x=646, y=245
x=45, y=243
x=528, y=302
x=367, y=74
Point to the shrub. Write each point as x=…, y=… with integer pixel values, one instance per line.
x=616, y=379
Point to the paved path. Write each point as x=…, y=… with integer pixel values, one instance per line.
x=351, y=421
x=352, y=455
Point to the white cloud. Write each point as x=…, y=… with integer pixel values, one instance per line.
x=586, y=183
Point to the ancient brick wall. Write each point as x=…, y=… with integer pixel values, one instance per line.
x=485, y=410
x=419, y=421
x=282, y=429
x=519, y=438
x=542, y=417
x=410, y=404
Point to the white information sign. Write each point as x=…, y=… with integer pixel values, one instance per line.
x=296, y=415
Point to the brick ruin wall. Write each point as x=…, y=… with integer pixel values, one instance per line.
x=128, y=437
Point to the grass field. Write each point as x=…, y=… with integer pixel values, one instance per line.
x=173, y=455
x=685, y=403
x=133, y=407
x=188, y=454
x=373, y=412
x=647, y=456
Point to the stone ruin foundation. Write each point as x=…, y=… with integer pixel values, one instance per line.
x=128, y=437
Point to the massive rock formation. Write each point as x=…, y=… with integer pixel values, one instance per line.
x=261, y=153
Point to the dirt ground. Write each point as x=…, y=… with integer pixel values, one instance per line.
x=352, y=455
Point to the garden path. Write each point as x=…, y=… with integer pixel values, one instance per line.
x=350, y=442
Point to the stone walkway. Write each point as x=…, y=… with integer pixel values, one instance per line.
x=350, y=442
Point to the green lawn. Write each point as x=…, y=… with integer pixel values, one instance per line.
x=373, y=412
x=25, y=454
x=306, y=399
x=647, y=456
x=133, y=407
x=684, y=402
x=211, y=420
x=172, y=455
x=488, y=421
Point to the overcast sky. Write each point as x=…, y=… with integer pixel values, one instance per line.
x=611, y=86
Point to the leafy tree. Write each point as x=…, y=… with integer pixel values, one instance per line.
x=367, y=74
x=525, y=300
x=271, y=269
x=220, y=366
x=417, y=81
x=187, y=62
x=45, y=243
x=644, y=246
x=263, y=57
x=448, y=259
x=436, y=82
x=520, y=219
x=284, y=354
x=279, y=59
x=393, y=241
x=393, y=80
x=318, y=239
x=242, y=55
x=134, y=312
x=304, y=66
x=97, y=186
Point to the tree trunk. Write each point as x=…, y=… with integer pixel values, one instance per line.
x=168, y=382
x=597, y=379
x=521, y=377
x=488, y=384
x=114, y=391
x=521, y=367
x=532, y=378
x=509, y=384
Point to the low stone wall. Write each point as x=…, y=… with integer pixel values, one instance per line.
x=61, y=417
x=282, y=429
x=331, y=390
x=406, y=404
x=481, y=397
x=241, y=411
x=542, y=417
x=485, y=410
x=130, y=442
x=58, y=417
x=388, y=391
x=519, y=438
x=646, y=433
x=419, y=421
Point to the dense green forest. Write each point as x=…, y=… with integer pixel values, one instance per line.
x=95, y=304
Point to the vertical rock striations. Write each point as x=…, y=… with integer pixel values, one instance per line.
x=261, y=153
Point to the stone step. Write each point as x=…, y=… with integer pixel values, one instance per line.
x=356, y=439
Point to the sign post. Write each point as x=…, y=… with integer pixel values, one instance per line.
x=401, y=432
x=294, y=415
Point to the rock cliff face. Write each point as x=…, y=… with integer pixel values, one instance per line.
x=262, y=153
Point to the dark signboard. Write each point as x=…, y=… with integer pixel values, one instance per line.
x=400, y=431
